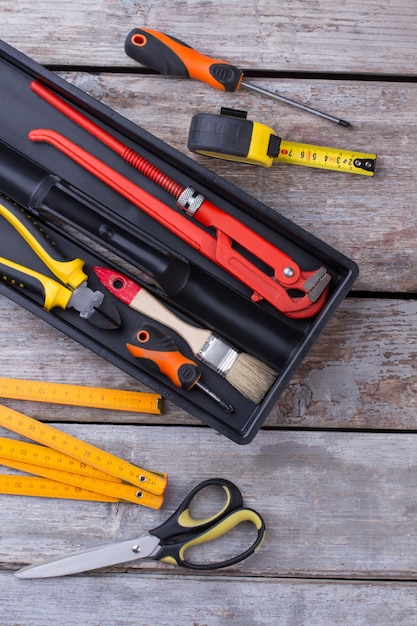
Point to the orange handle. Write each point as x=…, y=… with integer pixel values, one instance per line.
x=155, y=345
x=172, y=57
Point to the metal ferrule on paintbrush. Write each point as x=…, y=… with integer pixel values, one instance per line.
x=219, y=354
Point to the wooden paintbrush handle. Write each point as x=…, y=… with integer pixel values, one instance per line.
x=146, y=303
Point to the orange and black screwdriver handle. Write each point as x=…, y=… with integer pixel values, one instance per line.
x=157, y=347
x=172, y=57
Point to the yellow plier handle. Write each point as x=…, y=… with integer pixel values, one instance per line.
x=68, y=272
x=53, y=293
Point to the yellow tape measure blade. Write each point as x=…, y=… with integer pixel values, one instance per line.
x=233, y=137
x=326, y=158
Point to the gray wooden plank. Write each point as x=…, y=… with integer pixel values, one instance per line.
x=336, y=504
x=361, y=373
x=327, y=36
x=122, y=600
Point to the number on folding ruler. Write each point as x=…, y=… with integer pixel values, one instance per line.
x=78, y=395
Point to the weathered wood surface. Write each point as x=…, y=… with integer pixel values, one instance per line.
x=333, y=471
x=337, y=506
x=366, y=37
x=328, y=515
x=120, y=600
x=361, y=374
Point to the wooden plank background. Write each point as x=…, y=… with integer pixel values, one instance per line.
x=334, y=469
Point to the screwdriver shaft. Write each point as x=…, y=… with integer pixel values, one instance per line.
x=227, y=407
x=304, y=107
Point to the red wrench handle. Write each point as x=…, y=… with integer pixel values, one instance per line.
x=219, y=250
x=285, y=270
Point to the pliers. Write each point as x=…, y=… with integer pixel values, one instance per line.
x=73, y=292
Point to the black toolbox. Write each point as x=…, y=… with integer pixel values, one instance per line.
x=82, y=212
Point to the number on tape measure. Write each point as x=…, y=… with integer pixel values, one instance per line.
x=326, y=158
x=232, y=137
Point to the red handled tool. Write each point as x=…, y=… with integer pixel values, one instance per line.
x=294, y=292
x=250, y=376
x=278, y=288
x=154, y=345
x=172, y=57
x=285, y=271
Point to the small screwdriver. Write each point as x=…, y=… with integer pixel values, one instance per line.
x=155, y=345
x=170, y=56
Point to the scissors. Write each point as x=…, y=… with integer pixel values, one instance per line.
x=168, y=542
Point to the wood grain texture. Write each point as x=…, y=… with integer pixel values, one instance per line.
x=333, y=469
x=317, y=36
x=361, y=374
x=335, y=504
x=120, y=600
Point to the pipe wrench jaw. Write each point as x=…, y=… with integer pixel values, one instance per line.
x=223, y=248
x=317, y=283
x=305, y=297
x=315, y=287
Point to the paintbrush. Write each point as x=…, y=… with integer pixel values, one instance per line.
x=250, y=376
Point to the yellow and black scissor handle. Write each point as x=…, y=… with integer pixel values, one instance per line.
x=231, y=136
x=182, y=531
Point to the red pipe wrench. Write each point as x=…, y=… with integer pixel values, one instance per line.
x=294, y=292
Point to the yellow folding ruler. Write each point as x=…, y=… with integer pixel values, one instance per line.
x=78, y=395
x=70, y=467
x=43, y=488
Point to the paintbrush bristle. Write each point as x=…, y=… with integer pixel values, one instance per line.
x=251, y=377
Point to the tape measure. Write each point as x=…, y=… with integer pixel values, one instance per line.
x=232, y=137
x=77, y=395
x=47, y=464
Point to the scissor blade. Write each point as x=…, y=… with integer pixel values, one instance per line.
x=93, y=558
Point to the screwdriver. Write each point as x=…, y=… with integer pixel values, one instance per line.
x=155, y=345
x=170, y=56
